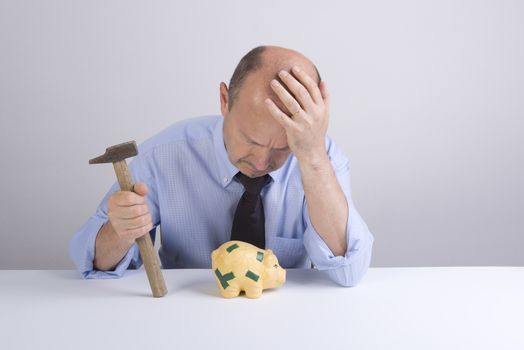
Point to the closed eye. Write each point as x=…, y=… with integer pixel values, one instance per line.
x=253, y=142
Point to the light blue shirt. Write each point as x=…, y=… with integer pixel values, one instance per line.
x=193, y=196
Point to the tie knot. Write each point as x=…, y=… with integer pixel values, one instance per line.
x=252, y=185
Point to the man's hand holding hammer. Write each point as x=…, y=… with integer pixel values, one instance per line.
x=129, y=218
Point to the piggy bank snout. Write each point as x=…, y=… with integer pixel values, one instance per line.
x=281, y=275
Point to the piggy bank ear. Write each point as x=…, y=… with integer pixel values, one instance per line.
x=269, y=251
x=270, y=259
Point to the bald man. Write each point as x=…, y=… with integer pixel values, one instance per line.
x=264, y=172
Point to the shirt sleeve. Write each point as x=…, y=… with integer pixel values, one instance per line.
x=82, y=244
x=349, y=269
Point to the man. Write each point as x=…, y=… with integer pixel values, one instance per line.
x=264, y=172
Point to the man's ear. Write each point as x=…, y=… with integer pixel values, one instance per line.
x=224, y=99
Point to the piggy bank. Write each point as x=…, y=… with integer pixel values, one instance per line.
x=240, y=266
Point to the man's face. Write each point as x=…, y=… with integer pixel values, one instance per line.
x=256, y=143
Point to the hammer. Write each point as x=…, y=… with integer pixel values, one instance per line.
x=117, y=155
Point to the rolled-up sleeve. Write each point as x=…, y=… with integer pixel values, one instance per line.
x=349, y=269
x=82, y=244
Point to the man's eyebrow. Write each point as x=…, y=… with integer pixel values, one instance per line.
x=249, y=139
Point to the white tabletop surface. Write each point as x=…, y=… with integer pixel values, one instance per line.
x=392, y=308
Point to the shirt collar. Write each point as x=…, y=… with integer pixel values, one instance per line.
x=226, y=170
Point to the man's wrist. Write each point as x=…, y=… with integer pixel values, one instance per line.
x=109, y=248
x=314, y=161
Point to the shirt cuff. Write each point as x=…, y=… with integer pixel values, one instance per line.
x=345, y=270
x=82, y=252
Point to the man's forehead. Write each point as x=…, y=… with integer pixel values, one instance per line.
x=276, y=58
x=271, y=70
x=262, y=129
x=258, y=126
x=257, y=88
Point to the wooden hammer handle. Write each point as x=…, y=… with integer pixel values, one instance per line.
x=149, y=257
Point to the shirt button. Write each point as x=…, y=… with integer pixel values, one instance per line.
x=225, y=179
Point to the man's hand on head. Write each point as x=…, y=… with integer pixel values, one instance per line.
x=308, y=105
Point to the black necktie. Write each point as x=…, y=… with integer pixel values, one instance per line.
x=249, y=223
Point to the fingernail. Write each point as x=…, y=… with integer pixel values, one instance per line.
x=274, y=82
x=296, y=69
x=267, y=101
x=283, y=73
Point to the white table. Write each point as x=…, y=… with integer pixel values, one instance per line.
x=392, y=308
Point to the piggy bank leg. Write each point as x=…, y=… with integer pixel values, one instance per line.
x=254, y=292
x=230, y=292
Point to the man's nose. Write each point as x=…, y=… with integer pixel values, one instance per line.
x=262, y=160
x=261, y=164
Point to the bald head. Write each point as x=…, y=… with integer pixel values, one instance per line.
x=262, y=64
x=256, y=143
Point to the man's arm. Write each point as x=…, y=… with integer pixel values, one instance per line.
x=337, y=239
x=104, y=246
x=82, y=248
x=129, y=219
x=327, y=205
x=306, y=131
x=349, y=268
x=109, y=248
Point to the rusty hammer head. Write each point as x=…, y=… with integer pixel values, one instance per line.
x=116, y=153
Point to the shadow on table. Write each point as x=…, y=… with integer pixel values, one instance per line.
x=303, y=277
x=201, y=284
x=309, y=277
x=206, y=286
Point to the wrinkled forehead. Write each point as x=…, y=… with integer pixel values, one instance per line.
x=257, y=88
x=254, y=117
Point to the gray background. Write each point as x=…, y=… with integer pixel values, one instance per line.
x=427, y=101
